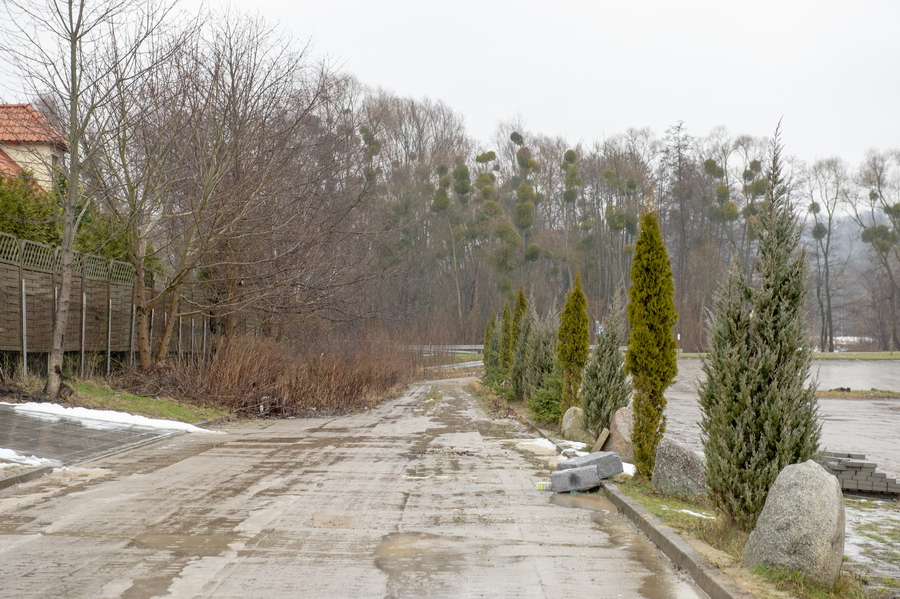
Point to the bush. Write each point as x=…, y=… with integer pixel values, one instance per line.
x=261, y=377
x=546, y=402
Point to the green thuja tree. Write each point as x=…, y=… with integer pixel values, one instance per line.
x=650, y=358
x=605, y=388
x=507, y=343
x=518, y=376
x=490, y=351
x=758, y=413
x=573, y=344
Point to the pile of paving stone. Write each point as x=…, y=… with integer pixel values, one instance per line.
x=856, y=474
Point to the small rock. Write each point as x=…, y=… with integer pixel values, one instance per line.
x=678, y=470
x=620, y=435
x=572, y=427
x=801, y=526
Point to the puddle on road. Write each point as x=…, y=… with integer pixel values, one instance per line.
x=872, y=544
x=185, y=545
x=662, y=582
x=416, y=563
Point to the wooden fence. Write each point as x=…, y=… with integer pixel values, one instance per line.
x=101, y=308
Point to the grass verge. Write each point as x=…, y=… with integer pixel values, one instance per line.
x=98, y=396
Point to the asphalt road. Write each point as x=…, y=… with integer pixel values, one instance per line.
x=424, y=496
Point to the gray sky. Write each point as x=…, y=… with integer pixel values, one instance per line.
x=587, y=70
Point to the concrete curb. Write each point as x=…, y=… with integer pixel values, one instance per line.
x=707, y=576
x=24, y=477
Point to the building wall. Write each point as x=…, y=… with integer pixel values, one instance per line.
x=39, y=159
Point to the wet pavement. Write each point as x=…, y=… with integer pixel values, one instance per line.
x=424, y=496
x=68, y=440
x=867, y=426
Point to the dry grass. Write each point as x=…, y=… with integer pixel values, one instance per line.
x=260, y=377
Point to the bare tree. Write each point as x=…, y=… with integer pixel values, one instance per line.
x=828, y=185
x=877, y=211
x=78, y=55
x=238, y=163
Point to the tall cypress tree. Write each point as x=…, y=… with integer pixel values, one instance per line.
x=491, y=356
x=758, y=413
x=573, y=345
x=651, y=346
x=518, y=376
x=507, y=343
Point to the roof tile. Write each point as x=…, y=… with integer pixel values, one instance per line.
x=22, y=124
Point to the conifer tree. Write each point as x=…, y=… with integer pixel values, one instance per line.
x=651, y=346
x=573, y=343
x=542, y=352
x=758, y=414
x=507, y=343
x=605, y=388
x=519, y=310
x=518, y=377
x=490, y=353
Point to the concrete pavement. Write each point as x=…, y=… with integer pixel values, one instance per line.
x=424, y=496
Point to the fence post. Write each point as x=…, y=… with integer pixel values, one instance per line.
x=131, y=335
x=24, y=333
x=83, y=341
x=109, y=337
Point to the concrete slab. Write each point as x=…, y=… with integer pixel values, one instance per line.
x=607, y=463
x=574, y=479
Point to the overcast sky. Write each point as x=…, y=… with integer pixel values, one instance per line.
x=589, y=69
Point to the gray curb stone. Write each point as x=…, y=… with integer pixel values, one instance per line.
x=708, y=577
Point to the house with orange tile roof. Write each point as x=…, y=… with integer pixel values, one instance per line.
x=28, y=142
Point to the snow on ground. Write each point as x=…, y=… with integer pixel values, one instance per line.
x=538, y=445
x=630, y=469
x=13, y=459
x=101, y=419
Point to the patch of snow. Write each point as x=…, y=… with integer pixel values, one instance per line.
x=572, y=444
x=540, y=443
x=686, y=511
x=15, y=459
x=629, y=469
x=102, y=419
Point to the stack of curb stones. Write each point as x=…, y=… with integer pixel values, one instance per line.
x=856, y=474
x=585, y=472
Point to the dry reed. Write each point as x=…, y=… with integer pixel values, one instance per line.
x=260, y=377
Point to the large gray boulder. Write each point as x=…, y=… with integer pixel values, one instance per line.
x=619, y=439
x=678, y=470
x=801, y=526
x=573, y=427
